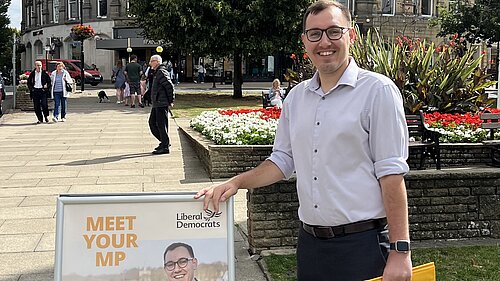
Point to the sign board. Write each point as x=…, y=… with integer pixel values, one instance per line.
x=142, y=236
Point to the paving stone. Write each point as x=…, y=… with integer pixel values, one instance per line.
x=24, y=226
x=47, y=243
x=106, y=188
x=37, y=277
x=39, y=201
x=28, y=212
x=10, y=201
x=26, y=263
x=18, y=243
x=32, y=191
x=45, y=175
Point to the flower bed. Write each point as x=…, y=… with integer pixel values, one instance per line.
x=258, y=126
x=240, y=127
x=459, y=128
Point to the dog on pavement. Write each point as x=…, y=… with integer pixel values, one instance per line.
x=102, y=96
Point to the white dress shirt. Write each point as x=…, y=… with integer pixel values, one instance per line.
x=340, y=143
x=38, y=79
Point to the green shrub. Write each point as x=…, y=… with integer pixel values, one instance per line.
x=446, y=78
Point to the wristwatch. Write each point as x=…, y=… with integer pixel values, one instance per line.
x=400, y=246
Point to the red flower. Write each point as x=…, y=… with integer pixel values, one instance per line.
x=305, y=56
x=267, y=113
x=293, y=57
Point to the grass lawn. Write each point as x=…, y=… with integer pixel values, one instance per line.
x=191, y=104
x=477, y=263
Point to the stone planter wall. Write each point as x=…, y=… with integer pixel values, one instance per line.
x=224, y=161
x=450, y=204
x=23, y=101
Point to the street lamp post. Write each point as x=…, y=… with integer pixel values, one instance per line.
x=159, y=50
x=47, y=50
x=129, y=49
x=82, y=62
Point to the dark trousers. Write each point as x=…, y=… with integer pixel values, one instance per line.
x=40, y=103
x=158, y=123
x=353, y=257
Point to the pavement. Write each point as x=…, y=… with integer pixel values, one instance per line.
x=102, y=147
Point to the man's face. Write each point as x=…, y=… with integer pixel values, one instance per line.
x=326, y=54
x=153, y=63
x=38, y=66
x=178, y=273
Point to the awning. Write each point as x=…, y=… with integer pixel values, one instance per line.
x=122, y=44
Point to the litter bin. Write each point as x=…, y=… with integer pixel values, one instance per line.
x=228, y=77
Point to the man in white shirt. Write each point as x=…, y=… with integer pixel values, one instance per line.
x=39, y=84
x=345, y=135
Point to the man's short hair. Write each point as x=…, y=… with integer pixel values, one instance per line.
x=176, y=245
x=157, y=57
x=321, y=5
x=133, y=57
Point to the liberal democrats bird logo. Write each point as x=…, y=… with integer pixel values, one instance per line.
x=210, y=214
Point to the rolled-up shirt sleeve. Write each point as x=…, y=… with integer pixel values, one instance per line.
x=388, y=132
x=282, y=149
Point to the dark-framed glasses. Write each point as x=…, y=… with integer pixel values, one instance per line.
x=182, y=262
x=333, y=33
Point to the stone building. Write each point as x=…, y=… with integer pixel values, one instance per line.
x=46, y=26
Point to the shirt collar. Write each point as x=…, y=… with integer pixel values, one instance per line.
x=348, y=78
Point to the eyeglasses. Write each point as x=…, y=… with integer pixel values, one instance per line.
x=182, y=262
x=333, y=33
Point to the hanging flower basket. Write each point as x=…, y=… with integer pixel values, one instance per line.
x=81, y=32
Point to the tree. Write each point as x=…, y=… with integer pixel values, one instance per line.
x=223, y=28
x=474, y=20
x=5, y=36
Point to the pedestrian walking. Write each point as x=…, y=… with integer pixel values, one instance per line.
x=133, y=72
x=334, y=131
x=2, y=94
x=119, y=81
x=162, y=96
x=60, y=79
x=39, y=85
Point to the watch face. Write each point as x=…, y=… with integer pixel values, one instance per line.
x=402, y=246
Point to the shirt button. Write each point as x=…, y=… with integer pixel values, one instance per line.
x=315, y=206
x=315, y=150
x=323, y=98
x=315, y=178
x=317, y=123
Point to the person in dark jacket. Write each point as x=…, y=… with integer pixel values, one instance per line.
x=39, y=85
x=162, y=96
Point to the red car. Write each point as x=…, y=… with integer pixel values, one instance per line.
x=92, y=76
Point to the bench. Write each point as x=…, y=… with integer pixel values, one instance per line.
x=491, y=122
x=425, y=139
x=266, y=102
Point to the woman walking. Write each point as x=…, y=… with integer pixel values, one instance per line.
x=119, y=77
x=60, y=78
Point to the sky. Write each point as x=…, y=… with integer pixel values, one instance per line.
x=14, y=13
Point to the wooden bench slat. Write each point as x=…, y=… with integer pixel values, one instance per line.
x=488, y=116
x=490, y=125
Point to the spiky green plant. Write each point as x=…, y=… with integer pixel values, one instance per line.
x=447, y=78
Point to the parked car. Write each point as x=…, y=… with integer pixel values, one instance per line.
x=92, y=76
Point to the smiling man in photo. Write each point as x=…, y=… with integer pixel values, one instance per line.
x=179, y=262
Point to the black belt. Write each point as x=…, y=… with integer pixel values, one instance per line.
x=327, y=232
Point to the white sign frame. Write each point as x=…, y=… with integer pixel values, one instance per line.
x=92, y=200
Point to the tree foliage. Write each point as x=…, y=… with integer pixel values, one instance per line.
x=5, y=36
x=475, y=20
x=223, y=28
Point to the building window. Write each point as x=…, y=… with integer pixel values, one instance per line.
x=388, y=7
x=39, y=18
x=426, y=7
x=73, y=9
x=29, y=15
x=348, y=3
x=102, y=8
x=55, y=9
